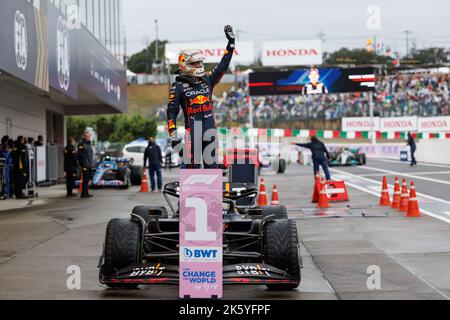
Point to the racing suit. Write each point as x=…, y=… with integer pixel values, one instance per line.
x=194, y=95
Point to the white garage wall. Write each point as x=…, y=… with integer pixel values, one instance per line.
x=26, y=110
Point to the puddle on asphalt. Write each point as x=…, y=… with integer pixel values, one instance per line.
x=344, y=212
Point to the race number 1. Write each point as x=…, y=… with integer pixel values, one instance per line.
x=201, y=234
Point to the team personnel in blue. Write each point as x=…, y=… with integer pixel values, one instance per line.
x=5, y=153
x=320, y=155
x=193, y=90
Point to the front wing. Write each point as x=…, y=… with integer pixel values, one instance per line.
x=249, y=273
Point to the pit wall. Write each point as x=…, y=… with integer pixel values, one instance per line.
x=428, y=151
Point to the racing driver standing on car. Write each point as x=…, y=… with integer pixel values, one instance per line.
x=193, y=90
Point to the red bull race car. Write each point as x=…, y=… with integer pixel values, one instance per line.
x=260, y=244
x=114, y=173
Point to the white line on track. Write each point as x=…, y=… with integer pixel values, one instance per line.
x=367, y=190
x=407, y=163
x=406, y=175
x=416, y=173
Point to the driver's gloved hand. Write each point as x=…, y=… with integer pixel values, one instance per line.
x=230, y=36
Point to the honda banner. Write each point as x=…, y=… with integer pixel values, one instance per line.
x=201, y=234
x=213, y=52
x=399, y=124
x=360, y=124
x=292, y=53
x=434, y=124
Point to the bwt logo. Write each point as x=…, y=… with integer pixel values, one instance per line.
x=200, y=253
x=204, y=179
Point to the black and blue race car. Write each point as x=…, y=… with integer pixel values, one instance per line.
x=260, y=244
x=114, y=172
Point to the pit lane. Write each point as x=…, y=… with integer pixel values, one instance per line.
x=37, y=245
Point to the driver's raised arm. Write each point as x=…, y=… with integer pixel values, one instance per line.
x=222, y=67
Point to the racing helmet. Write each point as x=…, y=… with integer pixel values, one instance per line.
x=190, y=62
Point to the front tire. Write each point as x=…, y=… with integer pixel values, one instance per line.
x=279, y=212
x=136, y=175
x=122, y=248
x=282, y=251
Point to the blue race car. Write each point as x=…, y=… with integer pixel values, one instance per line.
x=114, y=172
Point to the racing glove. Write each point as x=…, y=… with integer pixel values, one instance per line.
x=174, y=138
x=230, y=36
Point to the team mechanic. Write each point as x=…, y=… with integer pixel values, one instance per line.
x=193, y=90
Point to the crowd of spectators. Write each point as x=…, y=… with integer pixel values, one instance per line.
x=15, y=157
x=396, y=95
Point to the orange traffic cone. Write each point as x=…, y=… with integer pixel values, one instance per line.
x=413, y=206
x=323, y=196
x=144, y=182
x=275, y=200
x=80, y=187
x=315, y=198
x=385, y=199
x=262, y=198
x=397, y=195
x=404, y=202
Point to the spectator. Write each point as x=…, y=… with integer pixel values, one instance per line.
x=154, y=156
x=19, y=156
x=5, y=153
x=419, y=94
x=39, y=142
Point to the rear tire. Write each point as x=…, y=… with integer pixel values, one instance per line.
x=136, y=175
x=279, y=212
x=122, y=248
x=282, y=251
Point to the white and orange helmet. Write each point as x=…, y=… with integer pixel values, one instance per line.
x=190, y=62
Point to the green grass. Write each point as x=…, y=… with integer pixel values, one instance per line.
x=146, y=99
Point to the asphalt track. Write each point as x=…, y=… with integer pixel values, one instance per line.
x=339, y=245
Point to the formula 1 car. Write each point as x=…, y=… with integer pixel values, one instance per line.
x=114, y=172
x=347, y=157
x=260, y=244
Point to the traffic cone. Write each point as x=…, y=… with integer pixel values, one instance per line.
x=262, y=198
x=323, y=197
x=315, y=198
x=397, y=195
x=275, y=200
x=80, y=187
x=144, y=182
x=413, y=204
x=404, y=202
x=385, y=199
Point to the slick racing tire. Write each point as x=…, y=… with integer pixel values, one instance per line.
x=122, y=248
x=146, y=212
x=136, y=175
x=282, y=251
x=279, y=212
